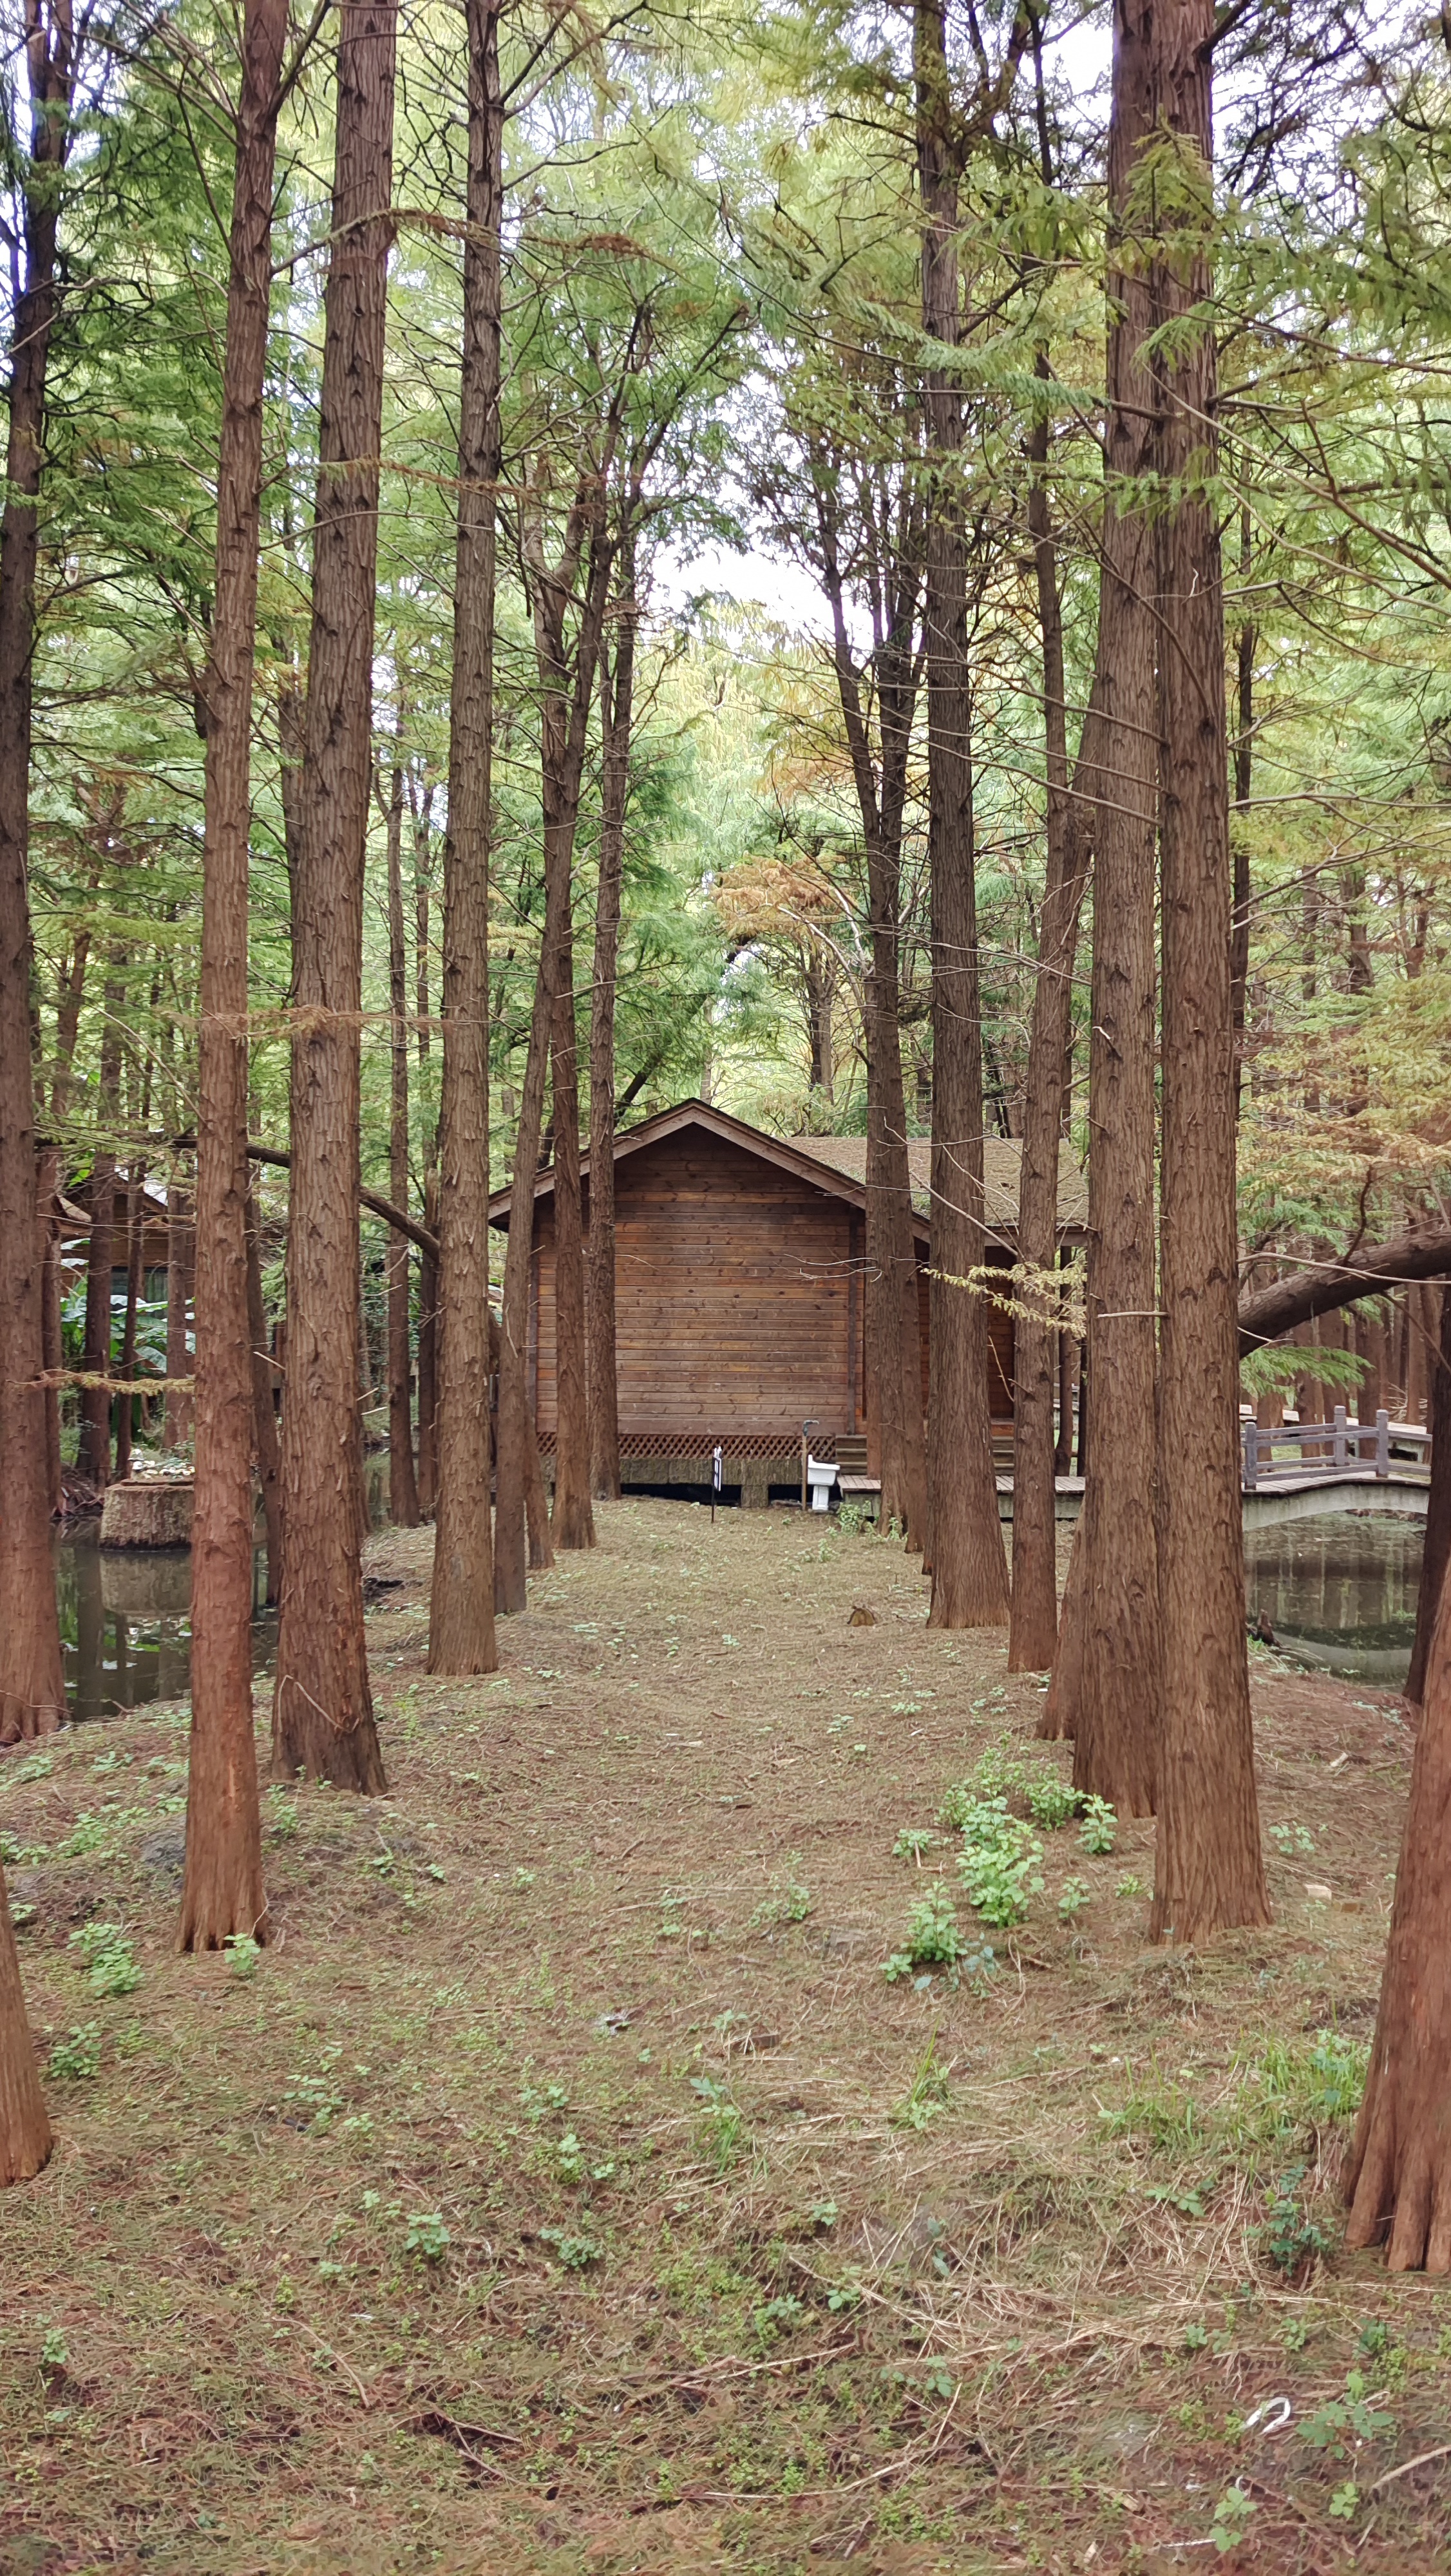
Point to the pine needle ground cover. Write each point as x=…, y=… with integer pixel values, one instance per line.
x=569, y=2189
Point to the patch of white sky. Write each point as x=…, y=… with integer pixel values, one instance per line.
x=758, y=577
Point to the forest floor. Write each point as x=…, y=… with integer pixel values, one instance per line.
x=567, y=2191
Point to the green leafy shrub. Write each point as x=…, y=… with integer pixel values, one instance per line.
x=998, y=1863
x=106, y=1950
x=1291, y=2238
x=427, y=2239
x=1099, y=1827
x=1073, y=1899
x=1052, y=1803
x=934, y=1940
x=75, y=2059
x=576, y=2253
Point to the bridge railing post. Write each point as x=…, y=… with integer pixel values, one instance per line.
x=1251, y=1455
x=1338, y=1442
x=1382, y=1442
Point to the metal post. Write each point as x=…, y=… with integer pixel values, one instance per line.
x=1337, y=1447
x=1382, y=1443
x=1251, y=1455
x=808, y=1425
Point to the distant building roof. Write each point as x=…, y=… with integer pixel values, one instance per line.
x=1002, y=1158
x=844, y=1160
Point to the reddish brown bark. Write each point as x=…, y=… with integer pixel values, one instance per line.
x=969, y=1566
x=421, y=807
x=893, y=1333
x=25, y=2136
x=1398, y=2176
x=461, y=1628
x=1114, y=1715
x=32, y=1692
x=617, y=689
x=1436, y=1553
x=180, y=1266
x=267, y=1448
x=1209, y=1865
x=322, y=1718
x=135, y=1228
x=223, y=1896
x=94, y=1454
x=402, y=1481
x=518, y=1456
x=566, y=662
x=1272, y=1313
x=1033, y=1628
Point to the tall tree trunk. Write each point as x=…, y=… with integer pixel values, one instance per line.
x=94, y=1458
x=135, y=1234
x=266, y=1445
x=571, y=1523
x=1033, y=1630
x=1114, y=1715
x=1243, y=776
x=32, y=1693
x=566, y=697
x=896, y=1448
x=1436, y=1553
x=322, y=1713
x=461, y=1627
x=402, y=1483
x=1398, y=2175
x=617, y=694
x=25, y=2135
x=223, y=1896
x=969, y=1567
x=67, y=1026
x=1209, y=1866
x=518, y=1449
x=180, y=1267
x=422, y=809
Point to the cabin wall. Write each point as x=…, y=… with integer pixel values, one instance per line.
x=738, y=1301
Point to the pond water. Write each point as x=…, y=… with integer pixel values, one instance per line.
x=1339, y=1590
x=125, y=1621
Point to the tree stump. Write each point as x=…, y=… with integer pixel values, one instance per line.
x=147, y=1514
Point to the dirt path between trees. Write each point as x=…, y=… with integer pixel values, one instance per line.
x=567, y=2190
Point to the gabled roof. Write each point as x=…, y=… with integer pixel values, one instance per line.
x=837, y=1164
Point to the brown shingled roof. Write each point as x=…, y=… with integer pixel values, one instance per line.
x=1002, y=1159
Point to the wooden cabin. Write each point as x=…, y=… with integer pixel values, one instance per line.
x=739, y=1267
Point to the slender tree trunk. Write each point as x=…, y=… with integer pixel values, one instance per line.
x=566, y=697
x=428, y=1263
x=1114, y=1715
x=180, y=1256
x=1209, y=1866
x=322, y=1720
x=1398, y=2176
x=32, y=1693
x=1436, y=1554
x=266, y=1446
x=135, y=1234
x=1243, y=774
x=518, y=1449
x=402, y=1483
x=461, y=1630
x=25, y=2135
x=94, y=1459
x=617, y=687
x=223, y=1896
x=1033, y=1631
x=571, y=1522
x=969, y=1566
x=67, y=1025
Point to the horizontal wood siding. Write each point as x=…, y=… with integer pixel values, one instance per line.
x=734, y=1304
x=1000, y=1350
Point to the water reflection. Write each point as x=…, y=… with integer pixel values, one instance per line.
x=1339, y=1590
x=125, y=1621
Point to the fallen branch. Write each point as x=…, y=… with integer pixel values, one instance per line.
x=1271, y=1312
x=397, y=1217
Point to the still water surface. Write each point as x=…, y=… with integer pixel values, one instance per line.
x=1340, y=1590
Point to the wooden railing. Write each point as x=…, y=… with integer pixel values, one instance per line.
x=1337, y=1447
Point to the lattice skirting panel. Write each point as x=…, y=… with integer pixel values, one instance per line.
x=679, y=1445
